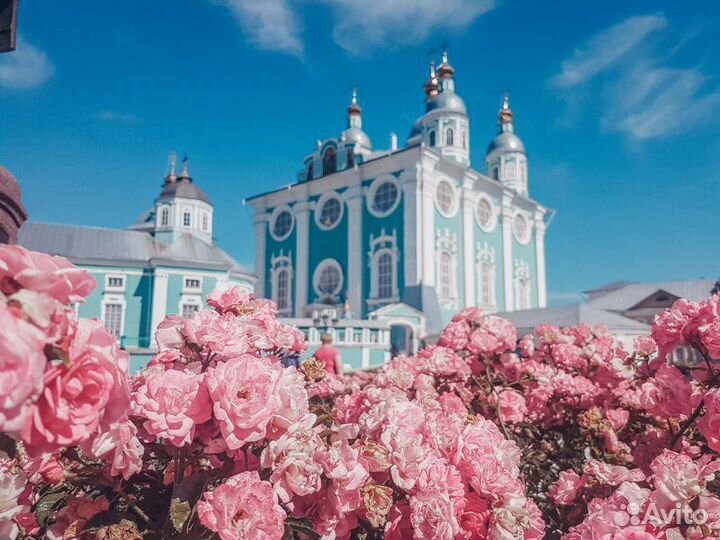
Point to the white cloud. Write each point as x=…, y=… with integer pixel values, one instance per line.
x=269, y=24
x=117, y=117
x=26, y=67
x=606, y=49
x=363, y=26
x=628, y=75
x=359, y=27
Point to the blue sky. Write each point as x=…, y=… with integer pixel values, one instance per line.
x=618, y=104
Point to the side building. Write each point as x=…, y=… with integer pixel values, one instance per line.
x=165, y=264
x=389, y=244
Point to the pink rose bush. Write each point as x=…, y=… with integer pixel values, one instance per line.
x=484, y=435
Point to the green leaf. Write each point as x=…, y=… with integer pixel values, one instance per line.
x=47, y=505
x=179, y=513
x=300, y=526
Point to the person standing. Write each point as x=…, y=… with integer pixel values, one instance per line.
x=329, y=355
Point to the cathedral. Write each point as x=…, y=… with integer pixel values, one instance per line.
x=382, y=246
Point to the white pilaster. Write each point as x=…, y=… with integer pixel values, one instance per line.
x=412, y=232
x=507, y=215
x=159, y=302
x=260, y=225
x=427, y=197
x=354, y=200
x=469, y=273
x=540, y=258
x=302, y=242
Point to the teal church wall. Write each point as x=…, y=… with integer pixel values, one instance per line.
x=331, y=244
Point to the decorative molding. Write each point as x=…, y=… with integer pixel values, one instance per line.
x=273, y=219
x=380, y=245
x=485, y=261
x=372, y=190
x=319, y=205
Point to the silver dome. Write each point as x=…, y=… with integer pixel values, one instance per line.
x=448, y=101
x=506, y=141
x=357, y=135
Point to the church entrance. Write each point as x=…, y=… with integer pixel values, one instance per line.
x=402, y=339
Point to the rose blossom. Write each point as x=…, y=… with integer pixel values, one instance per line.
x=473, y=515
x=169, y=333
x=645, y=346
x=377, y=502
x=54, y=276
x=22, y=363
x=12, y=485
x=709, y=424
x=79, y=395
x=245, y=398
x=711, y=339
x=433, y=517
x=668, y=393
x=565, y=490
x=243, y=508
x=121, y=445
x=172, y=403
x=399, y=526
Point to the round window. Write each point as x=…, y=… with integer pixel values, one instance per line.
x=328, y=278
x=445, y=198
x=282, y=225
x=521, y=228
x=385, y=197
x=330, y=213
x=485, y=217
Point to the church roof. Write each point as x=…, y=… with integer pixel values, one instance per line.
x=624, y=298
x=96, y=245
x=573, y=314
x=184, y=188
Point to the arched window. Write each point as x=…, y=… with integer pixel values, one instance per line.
x=329, y=161
x=445, y=277
x=385, y=276
x=310, y=171
x=450, y=137
x=432, y=138
x=282, y=292
x=523, y=293
x=164, y=217
x=350, y=158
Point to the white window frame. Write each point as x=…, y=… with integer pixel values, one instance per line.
x=486, y=257
x=528, y=228
x=186, y=212
x=384, y=243
x=372, y=190
x=188, y=288
x=189, y=299
x=164, y=211
x=523, y=296
x=446, y=242
x=490, y=227
x=115, y=288
x=114, y=299
x=319, y=207
x=273, y=217
x=325, y=263
x=452, y=211
x=277, y=264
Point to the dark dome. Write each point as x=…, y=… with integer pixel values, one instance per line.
x=183, y=187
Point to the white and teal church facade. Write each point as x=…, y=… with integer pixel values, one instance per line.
x=382, y=247
x=167, y=263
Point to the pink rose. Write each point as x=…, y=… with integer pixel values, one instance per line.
x=243, y=508
x=668, y=394
x=292, y=458
x=292, y=402
x=667, y=330
x=399, y=526
x=512, y=406
x=169, y=333
x=54, y=276
x=645, y=346
x=711, y=339
x=121, y=447
x=709, y=424
x=245, y=398
x=12, y=485
x=231, y=300
x=493, y=335
x=433, y=517
x=473, y=515
x=677, y=479
x=172, y=403
x=90, y=389
x=224, y=335
x=565, y=490
x=22, y=362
